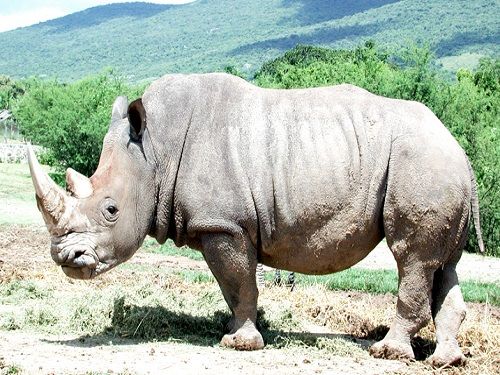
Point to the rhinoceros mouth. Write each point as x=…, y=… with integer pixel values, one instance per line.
x=81, y=273
x=76, y=262
x=85, y=272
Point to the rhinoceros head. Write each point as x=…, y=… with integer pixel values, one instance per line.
x=101, y=221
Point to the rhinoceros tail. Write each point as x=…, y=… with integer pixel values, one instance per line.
x=475, y=207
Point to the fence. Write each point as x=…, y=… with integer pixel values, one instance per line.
x=16, y=152
x=8, y=127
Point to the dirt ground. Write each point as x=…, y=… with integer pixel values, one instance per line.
x=24, y=254
x=67, y=354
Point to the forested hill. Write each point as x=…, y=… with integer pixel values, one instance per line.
x=142, y=40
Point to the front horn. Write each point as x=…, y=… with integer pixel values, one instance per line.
x=52, y=200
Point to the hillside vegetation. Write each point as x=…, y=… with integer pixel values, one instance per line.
x=144, y=40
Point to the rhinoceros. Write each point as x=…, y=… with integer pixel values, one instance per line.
x=307, y=180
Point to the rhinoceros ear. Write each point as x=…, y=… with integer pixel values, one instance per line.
x=137, y=119
x=119, y=108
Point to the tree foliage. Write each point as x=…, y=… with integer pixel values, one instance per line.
x=467, y=106
x=70, y=120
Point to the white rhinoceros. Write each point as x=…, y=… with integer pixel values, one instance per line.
x=302, y=180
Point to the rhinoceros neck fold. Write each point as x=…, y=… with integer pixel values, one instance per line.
x=164, y=225
x=169, y=104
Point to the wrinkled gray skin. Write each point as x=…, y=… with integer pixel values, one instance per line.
x=302, y=180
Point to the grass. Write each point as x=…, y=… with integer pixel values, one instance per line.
x=17, y=195
x=474, y=291
x=369, y=281
x=175, y=308
x=185, y=306
x=22, y=289
x=10, y=370
x=91, y=314
x=169, y=248
x=465, y=61
x=15, y=182
x=386, y=281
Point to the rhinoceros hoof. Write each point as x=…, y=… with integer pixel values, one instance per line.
x=392, y=349
x=447, y=356
x=243, y=340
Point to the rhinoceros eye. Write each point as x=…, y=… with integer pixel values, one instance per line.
x=109, y=210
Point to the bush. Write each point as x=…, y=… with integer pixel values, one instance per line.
x=9, y=91
x=70, y=120
x=467, y=106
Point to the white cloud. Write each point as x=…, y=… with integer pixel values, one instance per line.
x=19, y=13
x=26, y=18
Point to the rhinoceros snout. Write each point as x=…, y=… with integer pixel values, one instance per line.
x=74, y=257
x=77, y=264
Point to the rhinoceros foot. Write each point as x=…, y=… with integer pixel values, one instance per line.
x=447, y=355
x=392, y=349
x=246, y=338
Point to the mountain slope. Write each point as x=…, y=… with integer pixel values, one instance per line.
x=143, y=40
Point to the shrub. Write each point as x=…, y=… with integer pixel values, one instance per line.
x=70, y=120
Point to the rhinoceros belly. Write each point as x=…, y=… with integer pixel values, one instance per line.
x=320, y=245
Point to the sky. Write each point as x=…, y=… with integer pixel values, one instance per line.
x=18, y=13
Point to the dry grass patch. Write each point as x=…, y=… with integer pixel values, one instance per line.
x=160, y=306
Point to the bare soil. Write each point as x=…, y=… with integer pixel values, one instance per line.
x=37, y=353
x=24, y=254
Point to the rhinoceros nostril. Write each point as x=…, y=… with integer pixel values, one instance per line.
x=78, y=254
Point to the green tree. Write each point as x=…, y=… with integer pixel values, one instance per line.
x=70, y=120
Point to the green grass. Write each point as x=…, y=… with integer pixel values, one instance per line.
x=369, y=281
x=386, y=281
x=21, y=290
x=467, y=60
x=168, y=248
x=195, y=276
x=177, y=309
x=474, y=291
x=188, y=307
x=11, y=370
x=15, y=183
x=17, y=195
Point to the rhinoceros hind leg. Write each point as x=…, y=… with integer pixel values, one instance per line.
x=448, y=311
x=413, y=311
x=233, y=261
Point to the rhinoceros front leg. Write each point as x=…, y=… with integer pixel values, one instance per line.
x=233, y=261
